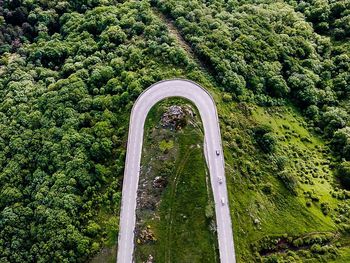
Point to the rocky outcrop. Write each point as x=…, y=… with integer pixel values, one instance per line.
x=175, y=117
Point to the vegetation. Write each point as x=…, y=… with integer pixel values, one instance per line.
x=70, y=71
x=344, y=173
x=180, y=212
x=265, y=52
x=65, y=102
x=328, y=17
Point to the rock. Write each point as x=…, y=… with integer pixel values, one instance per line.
x=147, y=235
x=150, y=259
x=159, y=182
x=174, y=118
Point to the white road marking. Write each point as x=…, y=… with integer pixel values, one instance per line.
x=212, y=142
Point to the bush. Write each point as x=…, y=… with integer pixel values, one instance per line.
x=265, y=139
x=325, y=208
x=268, y=142
x=344, y=174
x=267, y=188
x=227, y=97
x=281, y=162
x=289, y=181
x=341, y=142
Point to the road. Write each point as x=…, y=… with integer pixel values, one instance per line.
x=212, y=142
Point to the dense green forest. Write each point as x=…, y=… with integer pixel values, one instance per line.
x=65, y=99
x=70, y=71
x=267, y=53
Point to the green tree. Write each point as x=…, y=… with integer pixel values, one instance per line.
x=344, y=174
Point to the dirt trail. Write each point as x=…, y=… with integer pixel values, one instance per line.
x=173, y=193
x=182, y=42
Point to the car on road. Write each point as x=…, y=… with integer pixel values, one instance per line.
x=206, y=106
x=222, y=201
x=220, y=179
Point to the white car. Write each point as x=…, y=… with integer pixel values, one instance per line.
x=222, y=201
x=220, y=179
x=217, y=153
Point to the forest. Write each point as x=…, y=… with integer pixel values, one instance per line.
x=267, y=53
x=70, y=71
x=66, y=91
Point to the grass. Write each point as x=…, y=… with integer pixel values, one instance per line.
x=166, y=145
x=344, y=256
x=255, y=213
x=260, y=204
x=258, y=213
x=180, y=225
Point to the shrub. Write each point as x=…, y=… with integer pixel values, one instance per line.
x=341, y=142
x=281, y=162
x=267, y=188
x=268, y=142
x=265, y=138
x=344, y=174
x=227, y=97
x=289, y=181
x=325, y=208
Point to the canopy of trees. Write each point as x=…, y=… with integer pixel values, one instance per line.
x=71, y=69
x=66, y=90
x=267, y=52
x=328, y=16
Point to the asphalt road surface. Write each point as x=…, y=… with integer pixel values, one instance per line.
x=212, y=143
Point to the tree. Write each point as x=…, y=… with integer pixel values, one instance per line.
x=265, y=138
x=344, y=174
x=234, y=83
x=277, y=87
x=341, y=142
x=114, y=34
x=333, y=118
x=101, y=75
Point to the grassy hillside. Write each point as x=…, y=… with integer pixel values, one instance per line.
x=277, y=194
x=284, y=203
x=70, y=71
x=182, y=217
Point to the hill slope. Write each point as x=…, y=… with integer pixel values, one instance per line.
x=70, y=70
